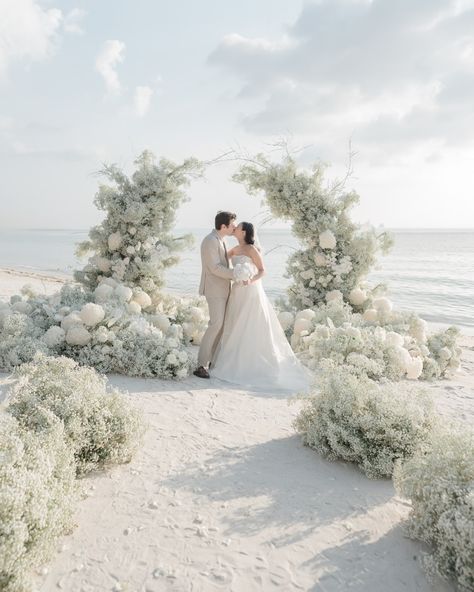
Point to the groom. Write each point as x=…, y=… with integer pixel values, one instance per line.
x=215, y=286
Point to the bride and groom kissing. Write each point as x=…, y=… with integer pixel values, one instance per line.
x=244, y=343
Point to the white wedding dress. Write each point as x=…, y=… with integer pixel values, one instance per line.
x=253, y=350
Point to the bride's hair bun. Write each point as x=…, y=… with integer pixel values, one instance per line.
x=249, y=230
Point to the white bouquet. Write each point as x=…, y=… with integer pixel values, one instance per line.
x=243, y=272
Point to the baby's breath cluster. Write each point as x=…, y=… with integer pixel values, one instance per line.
x=356, y=419
x=440, y=485
x=60, y=421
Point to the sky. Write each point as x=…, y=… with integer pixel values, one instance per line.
x=84, y=83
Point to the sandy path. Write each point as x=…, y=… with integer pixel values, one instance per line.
x=223, y=496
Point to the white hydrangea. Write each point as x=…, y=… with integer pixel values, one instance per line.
x=383, y=305
x=334, y=295
x=133, y=307
x=92, y=314
x=22, y=306
x=114, y=241
x=414, y=368
x=123, y=293
x=370, y=315
x=357, y=296
x=320, y=260
x=142, y=298
x=78, y=336
x=327, y=240
x=71, y=320
x=54, y=336
x=103, y=292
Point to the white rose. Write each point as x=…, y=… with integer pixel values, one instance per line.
x=183, y=357
x=182, y=373
x=132, y=230
x=54, y=336
x=188, y=329
x=92, y=314
x=327, y=240
x=130, y=250
x=171, y=342
x=357, y=296
x=114, y=241
x=78, y=336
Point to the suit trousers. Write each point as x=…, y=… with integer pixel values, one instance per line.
x=210, y=340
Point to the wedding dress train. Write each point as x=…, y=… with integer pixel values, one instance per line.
x=253, y=350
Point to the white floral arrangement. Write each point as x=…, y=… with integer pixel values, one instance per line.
x=134, y=244
x=356, y=419
x=119, y=319
x=440, y=485
x=59, y=421
x=400, y=349
x=336, y=253
x=243, y=271
x=100, y=425
x=37, y=497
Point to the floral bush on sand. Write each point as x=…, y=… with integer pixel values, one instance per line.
x=355, y=419
x=59, y=422
x=100, y=426
x=37, y=494
x=440, y=484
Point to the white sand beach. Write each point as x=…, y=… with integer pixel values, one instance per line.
x=223, y=496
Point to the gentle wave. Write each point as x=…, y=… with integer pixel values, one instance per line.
x=430, y=272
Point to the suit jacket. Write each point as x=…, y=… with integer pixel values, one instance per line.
x=215, y=275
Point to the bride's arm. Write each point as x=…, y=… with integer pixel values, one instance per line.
x=258, y=262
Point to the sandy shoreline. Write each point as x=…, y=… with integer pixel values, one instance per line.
x=223, y=496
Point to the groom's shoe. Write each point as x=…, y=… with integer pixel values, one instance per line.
x=201, y=372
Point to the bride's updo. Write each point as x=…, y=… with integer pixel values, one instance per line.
x=249, y=230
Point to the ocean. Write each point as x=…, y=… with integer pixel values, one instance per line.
x=430, y=272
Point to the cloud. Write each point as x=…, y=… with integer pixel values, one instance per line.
x=72, y=21
x=28, y=32
x=391, y=74
x=110, y=55
x=142, y=99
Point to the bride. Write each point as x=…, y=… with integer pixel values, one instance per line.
x=253, y=350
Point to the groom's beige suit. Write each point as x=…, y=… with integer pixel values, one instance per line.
x=215, y=286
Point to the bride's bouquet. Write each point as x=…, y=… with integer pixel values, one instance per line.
x=243, y=272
